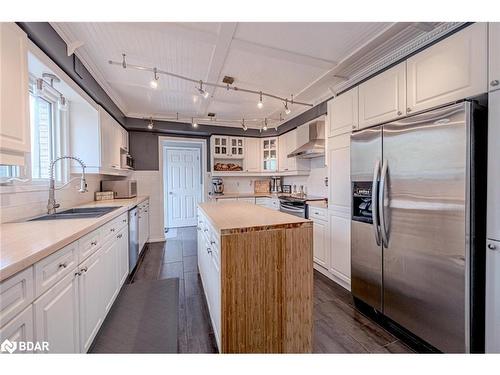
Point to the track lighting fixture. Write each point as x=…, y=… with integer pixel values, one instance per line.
x=150, y=125
x=260, y=104
x=265, y=124
x=154, y=81
x=194, y=123
x=287, y=110
x=202, y=91
x=243, y=125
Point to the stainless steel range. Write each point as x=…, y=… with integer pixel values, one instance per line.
x=297, y=204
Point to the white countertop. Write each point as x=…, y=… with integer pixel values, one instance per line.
x=25, y=243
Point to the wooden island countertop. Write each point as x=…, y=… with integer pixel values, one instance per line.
x=256, y=266
x=239, y=216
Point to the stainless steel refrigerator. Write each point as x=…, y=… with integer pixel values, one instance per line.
x=417, y=228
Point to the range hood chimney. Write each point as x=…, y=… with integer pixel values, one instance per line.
x=315, y=146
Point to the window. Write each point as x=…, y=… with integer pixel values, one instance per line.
x=47, y=120
x=8, y=171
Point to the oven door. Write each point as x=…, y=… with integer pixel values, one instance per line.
x=293, y=208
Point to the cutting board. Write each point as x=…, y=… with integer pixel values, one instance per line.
x=261, y=186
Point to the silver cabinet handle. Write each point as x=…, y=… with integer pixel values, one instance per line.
x=198, y=228
x=408, y=109
x=112, y=229
x=78, y=273
x=93, y=243
x=209, y=250
x=400, y=113
x=376, y=176
x=124, y=220
x=492, y=246
x=381, y=194
x=84, y=269
x=119, y=236
x=63, y=265
x=205, y=230
x=495, y=82
x=212, y=242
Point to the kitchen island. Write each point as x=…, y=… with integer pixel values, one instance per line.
x=256, y=267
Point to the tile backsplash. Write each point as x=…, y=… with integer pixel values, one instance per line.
x=314, y=183
x=27, y=201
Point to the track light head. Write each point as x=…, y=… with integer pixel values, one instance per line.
x=154, y=82
x=194, y=123
x=243, y=125
x=202, y=91
x=260, y=104
x=287, y=110
x=206, y=94
x=150, y=125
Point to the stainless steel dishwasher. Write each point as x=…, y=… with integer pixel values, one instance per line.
x=133, y=238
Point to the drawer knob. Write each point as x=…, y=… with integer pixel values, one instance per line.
x=119, y=236
x=93, y=243
x=63, y=265
x=408, y=109
x=112, y=229
x=400, y=113
x=495, y=82
x=84, y=269
x=492, y=246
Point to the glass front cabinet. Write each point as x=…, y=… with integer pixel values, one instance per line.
x=270, y=154
x=228, y=147
x=220, y=146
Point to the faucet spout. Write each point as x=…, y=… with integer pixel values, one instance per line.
x=52, y=205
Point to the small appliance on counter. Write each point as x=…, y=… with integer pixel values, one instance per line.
x=275, y=184
x=121, y=188
x=287, y=189
x=217, y=186
x=103, y=195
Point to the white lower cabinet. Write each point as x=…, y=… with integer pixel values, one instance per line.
x=122, y=256
x=91, y=299
x=320, y=236
x=492, y=297
x=57, y=316
x=109, y=257
x=20, y=328
x=143, y=224
x=340, y=247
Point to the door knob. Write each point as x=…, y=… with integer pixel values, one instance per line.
x=492, y=246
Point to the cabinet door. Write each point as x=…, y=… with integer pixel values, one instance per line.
x=339, y=172
x=320, y=242
x=493, y=226
x=343, y=112
x=252, y=155
x=237, y=147
x=269, y=154
x=57, y=316
x=453, y=69
x=282, y=156
x=122, y=255
x=109, y=284
x=383, y=98
x=220, y=146
x=340, y=246
x=493, y=297
x=14, y=95
x=90, y=288
x=494, y=55
x=20, y=328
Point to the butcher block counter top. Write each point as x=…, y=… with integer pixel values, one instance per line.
x=243, y=195
x=240, y=216
x=24, y=243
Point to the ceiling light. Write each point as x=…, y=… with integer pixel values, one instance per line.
x=260, y=104
x=154, y=82
x=150, y=125
x=243, y=125
x=194, y=123
x=202, y=92
x=287, y=110
x=265, y=125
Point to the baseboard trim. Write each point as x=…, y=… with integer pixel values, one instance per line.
x=338, y=278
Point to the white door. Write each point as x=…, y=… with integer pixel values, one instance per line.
x=383, y=98
x=343, y=112
x=57, y=316
x=453, y=69
x=91, y=299
x=183, y=186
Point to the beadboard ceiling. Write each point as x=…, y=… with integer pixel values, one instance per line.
x=304, y=59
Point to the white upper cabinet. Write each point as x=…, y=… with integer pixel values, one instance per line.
x=111, y=140
x=383, y=98
x=494, y=55
x=343, y=113
x=14, y=95
x=288, y=143
x=339, y=172
x=252, y=155
x=453, y=69
x=220, y=146
x=237, y=147
x=269, y=152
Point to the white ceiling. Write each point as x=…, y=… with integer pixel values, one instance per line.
x=279, y=58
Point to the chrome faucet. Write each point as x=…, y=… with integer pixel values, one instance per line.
x=51, y=204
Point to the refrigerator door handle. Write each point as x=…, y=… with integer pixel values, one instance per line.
x=376, y=175
x=381, y=194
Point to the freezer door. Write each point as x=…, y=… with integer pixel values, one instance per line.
x=366, y=255
x=493, y=165
x=424, y=199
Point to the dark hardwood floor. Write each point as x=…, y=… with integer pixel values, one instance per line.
x=338, y=327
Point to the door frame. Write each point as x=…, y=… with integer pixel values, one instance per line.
x=162, y=146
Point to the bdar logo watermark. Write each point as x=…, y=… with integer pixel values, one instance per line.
x=8, y=346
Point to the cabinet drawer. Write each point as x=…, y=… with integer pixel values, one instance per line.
x=112, y=227
x=16, y=293
x=88, y=244
x=50, y=270
x=316, y=213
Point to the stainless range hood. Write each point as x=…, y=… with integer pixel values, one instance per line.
x=315, y=146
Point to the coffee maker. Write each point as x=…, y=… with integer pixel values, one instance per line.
x=217, y=186
x=275, y=184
